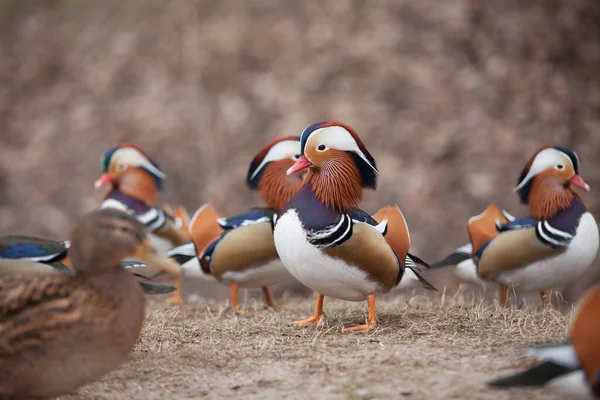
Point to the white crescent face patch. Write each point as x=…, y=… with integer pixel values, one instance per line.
x=545, y=159
x=279, y=151
x=133, y=158
x=338, y=138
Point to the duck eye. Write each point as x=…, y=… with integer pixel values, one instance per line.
x=321, y=147
x=560, y=167
x=121, y=167
x=296, y=157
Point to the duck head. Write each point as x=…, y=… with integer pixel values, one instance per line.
x=548, y=180
x=339, y=165
x=118, y=161
x=104, y=237
x=268, y=172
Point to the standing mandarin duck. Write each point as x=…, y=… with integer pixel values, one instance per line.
x=24, y=254
x=59, y=331
x=551, y=248
x=240, y=251
x=321, y=236
x=572, y=368
x=134, y=181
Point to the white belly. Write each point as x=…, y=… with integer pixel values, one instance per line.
x=268, y=274
x=562, y=269
x=316, y=270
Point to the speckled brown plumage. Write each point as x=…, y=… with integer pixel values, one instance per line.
x=58, y=332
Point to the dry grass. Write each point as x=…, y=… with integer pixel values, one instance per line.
x=425, y=348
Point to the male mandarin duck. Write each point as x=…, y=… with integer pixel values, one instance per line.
x=572, y=368
x=240, y=250
x=134, y=181
x=58, y=331
x=322, y=237
x=24, y=254
x=551, y=248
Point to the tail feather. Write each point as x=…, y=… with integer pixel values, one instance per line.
x=459, y=255
x=539, y=375
x=419, y=261
x=412, y=278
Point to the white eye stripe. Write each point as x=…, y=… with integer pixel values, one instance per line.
x=132, y=157
x=337, y=137
x=280, y=151
x=545, y=159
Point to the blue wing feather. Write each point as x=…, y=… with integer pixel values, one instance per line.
x=20, y=246
x=521, y=223
x=254, y=216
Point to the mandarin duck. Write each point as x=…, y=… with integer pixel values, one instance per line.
x=552, y=247
x=239, y=250
x=572, y=368
x=134, y=181
x=59, y=331
x=22, y=253
x=321, y=236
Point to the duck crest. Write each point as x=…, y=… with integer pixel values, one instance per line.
x=360, y=156
x=152, y=168
x=525, y=181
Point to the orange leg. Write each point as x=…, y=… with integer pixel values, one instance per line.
x=318, y=315
x=235, y=301
x=503, y=295
x=270, y=300
x=371, y=319
x=176, y=297
x=545, y=298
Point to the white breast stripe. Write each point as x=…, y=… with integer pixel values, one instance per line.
x=558, y=232
x=327, y=232
x=546, y=237
x=153, y=219
x=112, y=203
x=348, y=228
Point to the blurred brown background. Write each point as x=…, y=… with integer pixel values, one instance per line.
x=451, y=97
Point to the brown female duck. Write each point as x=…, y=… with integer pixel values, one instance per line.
x=82, y=325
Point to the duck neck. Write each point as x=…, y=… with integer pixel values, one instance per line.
x=276, y=187
x=337, y=184
x=138, y=184
x=117, y=282
x=548, y=198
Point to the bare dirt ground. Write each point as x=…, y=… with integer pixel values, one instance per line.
x=425, y=348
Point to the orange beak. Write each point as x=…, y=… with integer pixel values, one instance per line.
x=580, y=183
x=105, y=179
x=301, y=164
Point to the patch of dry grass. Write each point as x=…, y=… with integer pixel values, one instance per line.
x=425, y=347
